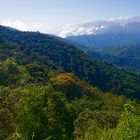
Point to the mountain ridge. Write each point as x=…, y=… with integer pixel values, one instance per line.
x=46, y=50
x=115, y=35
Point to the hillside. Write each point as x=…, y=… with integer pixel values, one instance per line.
x=40, y=100
x=127, y=57
x=64, y=108
x=51, y=52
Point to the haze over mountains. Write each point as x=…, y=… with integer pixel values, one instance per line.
x=116, y=41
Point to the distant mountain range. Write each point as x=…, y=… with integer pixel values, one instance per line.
x=97, y=27
x=116, y=41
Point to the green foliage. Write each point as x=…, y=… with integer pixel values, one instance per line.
x=37, y=73
x=98, y=119
x=128, y=127
x=39, y=103
x=37, y=111
x=7, y=123
x=70, y=84
x=42, y=112
x=46, y=51
x=127, y=56
x=12, y=74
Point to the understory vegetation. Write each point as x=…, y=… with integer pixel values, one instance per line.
x=62, y=107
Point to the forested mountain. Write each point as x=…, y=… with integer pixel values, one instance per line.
x=51, y=52
x=50, y=90
x=127, y=57
x=113, y=36
x=64, y=108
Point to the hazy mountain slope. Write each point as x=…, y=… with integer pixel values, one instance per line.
x=114, y=36
x=109, y=37
x=127, y=57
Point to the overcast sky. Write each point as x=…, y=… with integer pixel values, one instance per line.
x=44, y=15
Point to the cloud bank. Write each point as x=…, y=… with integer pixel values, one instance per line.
x=89, y=28
x=24, y=26
x=95, y=27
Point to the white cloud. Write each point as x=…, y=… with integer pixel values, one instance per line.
x=15, y=24
x=119, y=18
x=95, y=27
x=75, y=30
x=24, y=26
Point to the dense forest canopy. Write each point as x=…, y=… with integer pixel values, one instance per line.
x=55, y=54
x=49, y=90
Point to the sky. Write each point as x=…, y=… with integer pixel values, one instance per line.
x=48, y=15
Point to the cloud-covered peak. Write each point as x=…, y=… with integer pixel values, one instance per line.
x=96, y=27
x=81, y=30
